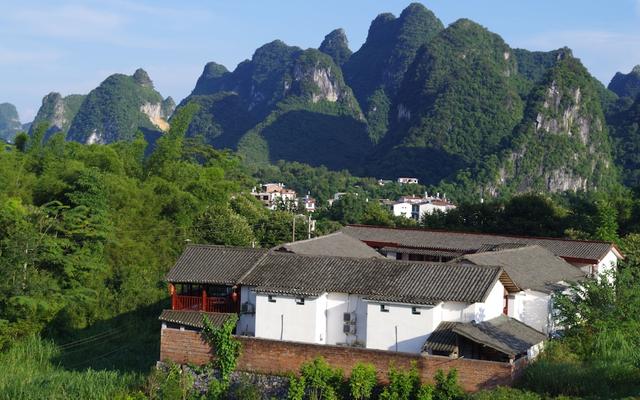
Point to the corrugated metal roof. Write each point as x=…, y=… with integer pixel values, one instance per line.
x=530, y=267
x=214, y=264
x=193, y=318
x=592, y=251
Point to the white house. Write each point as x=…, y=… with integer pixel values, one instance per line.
x=407, y=181
x=372, y=302
x=537, y=274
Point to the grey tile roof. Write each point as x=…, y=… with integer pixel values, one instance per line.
x=530, y=267
x=442, y=339
x=382, y=279
x=214, y=264
x=589, y=251
x=335, y=244
x=193, y=318
x=504, y=334
x=426, y=252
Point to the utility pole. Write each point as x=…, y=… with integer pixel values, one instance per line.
x=293, y=231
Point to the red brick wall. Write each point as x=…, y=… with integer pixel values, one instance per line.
x=276, y=357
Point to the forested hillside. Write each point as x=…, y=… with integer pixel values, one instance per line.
x=88, y=232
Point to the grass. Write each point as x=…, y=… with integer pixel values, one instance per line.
x=29, y=371
x=105, y=361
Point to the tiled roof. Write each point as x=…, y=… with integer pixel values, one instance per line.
x=193, y=318
x=502, y=333
x=214, y=264
x=588, y=251
x=426, y=252
x=530, y=267
x=384, y=280
x=442, y=339
x=335, y=244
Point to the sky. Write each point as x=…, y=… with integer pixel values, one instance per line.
x=70, y=46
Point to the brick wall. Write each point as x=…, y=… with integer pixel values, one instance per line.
x=277, y=357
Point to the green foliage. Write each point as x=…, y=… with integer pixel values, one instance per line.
x=177, y=384
x=226, y=347
x=505, y=393
x=58, y=110
x=245, y=390
x=29, y=370
x=446, y=386
x=321, y=381
x=362, y=381
x=598, y=355
x=624, y=123
x=336, y=45
x=403, y=385
x=626, y=85
x=297, y=388
x=112, y=110
x=9, y=122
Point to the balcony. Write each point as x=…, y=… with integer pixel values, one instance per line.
x=202, y=303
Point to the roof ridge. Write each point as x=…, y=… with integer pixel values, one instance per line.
x=379, y=260
x=477, y=233
x=223, y=246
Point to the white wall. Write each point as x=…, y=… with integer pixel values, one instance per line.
x=287, y=320
x=493, y=305
x=402, y=210
x=532, y=308
x=247, y=322
x=338, y=304
x=412, y=330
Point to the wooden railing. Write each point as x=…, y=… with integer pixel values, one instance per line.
x=195, y=303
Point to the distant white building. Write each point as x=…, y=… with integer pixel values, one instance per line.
x=307, y=203
x=416, y=207
x=407, y=181
x=273, y=195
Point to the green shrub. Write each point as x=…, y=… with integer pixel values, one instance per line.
x=296, y=388
x=446, y=386
x=362, y=381
x=403, y=385
x=322, y=382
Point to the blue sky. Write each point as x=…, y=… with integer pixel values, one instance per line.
x=71, y=46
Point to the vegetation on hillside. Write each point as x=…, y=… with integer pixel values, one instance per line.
x=112, y=111
x=9, y=121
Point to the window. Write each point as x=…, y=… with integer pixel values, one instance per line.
x=271, y=298
x=384, y=308
x=300, y=301
x=415, y=311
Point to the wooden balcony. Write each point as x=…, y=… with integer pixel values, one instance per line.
x=202, y=303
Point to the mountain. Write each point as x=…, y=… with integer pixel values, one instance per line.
x=626, y=85
x=118, y=108
x=58, y=112
x=624, y=123
x=9, y=121
x=454, y=106
x=459, y=100
x=336, y=46
x=562, y=143
x=375, y=72
x=282, y=104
